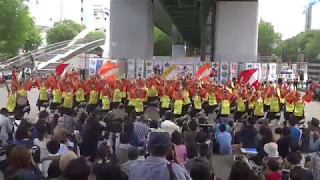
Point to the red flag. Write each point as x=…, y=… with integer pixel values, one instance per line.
x=247, y=76
x=204, y=72
x=60, y=68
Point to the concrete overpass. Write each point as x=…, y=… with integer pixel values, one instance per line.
x=224, y=28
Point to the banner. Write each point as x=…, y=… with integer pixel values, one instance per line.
x=224, y=72
x=99, y=64
x=249, y=66
x=272, y=72
x=139, y=68
x=131, y=68
x=149, y=68
x=258, y=67
x=92, y=66
x=264, y=71
x=233, y=70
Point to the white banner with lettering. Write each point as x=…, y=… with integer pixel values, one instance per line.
x=258, y=67
x=233, y=70
x=131, y=68
x=264, y=72
x=272, y=72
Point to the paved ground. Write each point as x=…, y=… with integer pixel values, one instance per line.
x=221, y=164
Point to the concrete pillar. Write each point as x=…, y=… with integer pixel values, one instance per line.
x=131, y=29
x=236, y=34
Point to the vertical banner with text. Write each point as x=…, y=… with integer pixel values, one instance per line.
x=131, y=69
x=149, y=68
x=139, y=68
x=233, y=70
x=258, y=67
x=272, y=72
x=264, y=72
x=224, y=72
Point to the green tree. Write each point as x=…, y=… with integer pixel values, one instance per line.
x=33, y=38
x=306, y=42
x=96, y=35
x=162, y=43
x=14, y=22
x=62, y=31
x=268, y=40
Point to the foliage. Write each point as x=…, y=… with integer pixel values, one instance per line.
x=64, y=30
x=306, y=42
x=268, y=40
x=33, y=38
x=15, y=20
x=162, y=43
x=96, y=35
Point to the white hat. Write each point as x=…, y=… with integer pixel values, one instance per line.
x=271, y=149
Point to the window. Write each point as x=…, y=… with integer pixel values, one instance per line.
x=81, y=18
x=105, y=19
x=81, y=9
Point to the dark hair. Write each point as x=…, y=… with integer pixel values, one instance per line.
x=41, y=129
x=133, y=153
x=169, y=116
x=315, y=122
x=176, y=138
x=200, y=172
x=128, y=127
x=22, y=133
x=4, y=111
x=53, y=146
x=19, y=159
x=201, y=137
x=154, y=124
x=159, y=150
x=192, y=151
x=293, y=121
x=222, y=128
x=9, y=148
x=294, y=158
x=278, y=131
x=124, y=138
x=240, y=170
x=43, y=114
x=203, y=149
x=77, y=169
x=286, y=131
x=104, y=153
x=266, y=134
x=202, y=120
x=295, y=147
x=251, y=121
x=54, y=171
x=111, y=171
x=193, y=125
x=273, y=165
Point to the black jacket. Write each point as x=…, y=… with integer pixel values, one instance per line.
x=283, y=145
x=300, y=173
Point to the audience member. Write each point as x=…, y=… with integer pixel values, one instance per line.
x=5, y=126
x=104, y=156
x=21, y=165
x=168, y=125
x=241, y=170
x=77, y=169
x=298, y=173
x=156, y=166
x=273, y=170
x=65, y=159
x=295, y=131
x=123, y=148
x=180, y=148
x=133, y=155
x=199, y=160
x=305, y=137
x=224, y=139
x=249, y=134
x=266, y=137
x=284, y=142
x=190, y=136
x=41, y=139
x=22, y=137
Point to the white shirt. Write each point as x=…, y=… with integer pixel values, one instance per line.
x=169, y=126
x=43, y=147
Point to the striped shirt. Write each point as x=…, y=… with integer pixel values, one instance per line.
x=141, y=130
x=156, y=168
